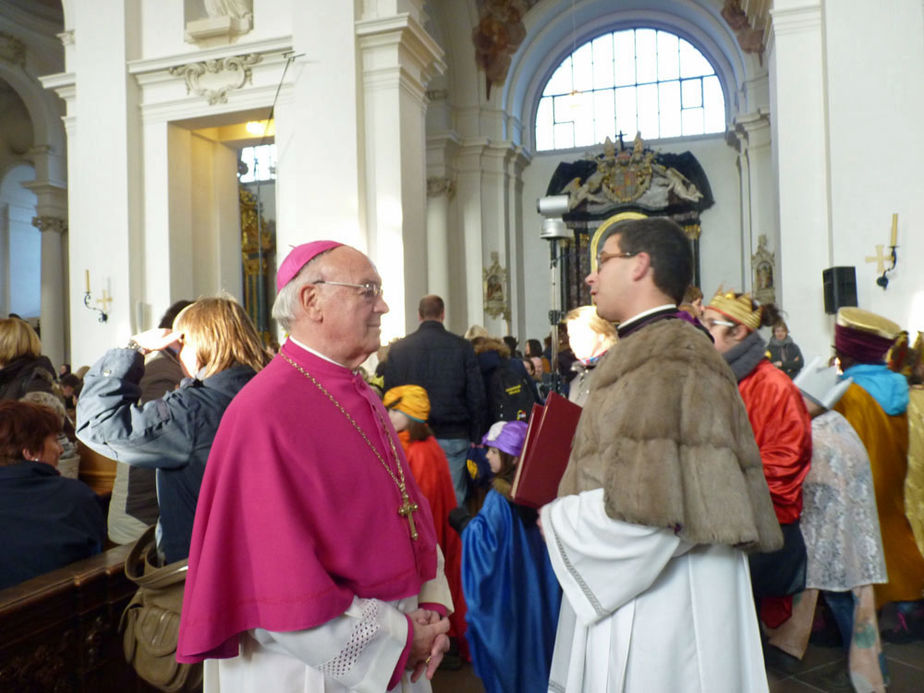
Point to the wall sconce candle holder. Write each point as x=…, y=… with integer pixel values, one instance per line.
x=100, y=305
x=883, y=279
x=892, y=257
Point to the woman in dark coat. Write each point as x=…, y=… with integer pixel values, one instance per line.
x=220, y=351
x=783, y=352
x=46, y=520
x=23, y=369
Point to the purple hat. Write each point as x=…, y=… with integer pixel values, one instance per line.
x=506, y=436
x=298, y=257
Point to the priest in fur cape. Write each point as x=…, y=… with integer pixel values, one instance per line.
x=314, y=564
x=663, y=494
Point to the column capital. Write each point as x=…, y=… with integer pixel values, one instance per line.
x=440, y=185
x=752, y=129
x=796, y=17
x=49, y=223
x=398, y=50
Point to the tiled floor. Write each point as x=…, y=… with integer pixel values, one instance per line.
x=822, y=669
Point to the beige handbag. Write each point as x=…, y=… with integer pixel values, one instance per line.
x=150, y=623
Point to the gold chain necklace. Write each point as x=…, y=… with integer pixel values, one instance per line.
x=406, y=509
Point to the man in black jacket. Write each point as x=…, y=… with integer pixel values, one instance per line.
x=444, y=365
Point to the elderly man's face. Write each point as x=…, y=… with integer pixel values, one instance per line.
x=352, y=316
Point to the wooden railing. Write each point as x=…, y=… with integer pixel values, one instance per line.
x=59, y=631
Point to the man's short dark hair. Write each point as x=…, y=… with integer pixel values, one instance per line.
x=667, y=246
x=166, y=320
x=431, y=307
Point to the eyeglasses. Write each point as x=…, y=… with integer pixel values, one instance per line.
x=603, y=256
x=709, y=322
x=367, y=290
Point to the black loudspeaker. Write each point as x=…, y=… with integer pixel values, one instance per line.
x=840, y=287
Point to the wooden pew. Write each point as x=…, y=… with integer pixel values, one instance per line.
x=59, y=631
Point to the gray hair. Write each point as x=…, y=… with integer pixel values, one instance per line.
x=286, y=302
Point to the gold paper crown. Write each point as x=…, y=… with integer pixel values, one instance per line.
x=865, y=321
x=737, y=308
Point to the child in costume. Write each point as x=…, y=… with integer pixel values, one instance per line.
x=511, y=591
x=408, y=408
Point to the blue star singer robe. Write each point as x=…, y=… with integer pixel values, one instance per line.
x=513, y=598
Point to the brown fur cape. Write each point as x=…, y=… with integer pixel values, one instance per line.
x=664, y=432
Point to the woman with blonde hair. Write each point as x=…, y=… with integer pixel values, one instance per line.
x=23, y=369
x=590, y=337
x=220, y=351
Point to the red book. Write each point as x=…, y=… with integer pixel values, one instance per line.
x=545, y=451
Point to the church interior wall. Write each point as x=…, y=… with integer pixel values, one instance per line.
x=104, y=181
x=319, y=139
x=846, y=150
x=844, y=144
x=874, y=103
x=796, y=61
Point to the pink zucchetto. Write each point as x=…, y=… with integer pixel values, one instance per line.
x=298, y=257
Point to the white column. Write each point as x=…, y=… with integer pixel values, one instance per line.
x=318, y=181
x=397, y=59
x=516, y=271
x=51, y=220
x=439, y=191
x=797, y=62
x=758, y=210
x=496, y=202
x=53, y=290
x=104, y=174
x=470, y=204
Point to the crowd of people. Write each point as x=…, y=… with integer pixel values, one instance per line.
x=347, y=531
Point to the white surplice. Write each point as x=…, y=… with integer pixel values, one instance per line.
x=356, y=651
x=644, y=611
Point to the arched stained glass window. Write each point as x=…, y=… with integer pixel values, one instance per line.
x=635, y=80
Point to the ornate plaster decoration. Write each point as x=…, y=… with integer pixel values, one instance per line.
x=620, y=177
x=56, y=224
x=749, y=38
x=495, y=279
x=66, y=37
x=498, y=34
x=12, y=50
x=221, y=18
x=213, y=79
x=762, y=263
x=437, y=186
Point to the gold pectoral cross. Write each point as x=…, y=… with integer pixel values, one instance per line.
x=879, y=259
x=405, y=510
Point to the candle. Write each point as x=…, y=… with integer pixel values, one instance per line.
x=86, y=274
x=894, y=241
